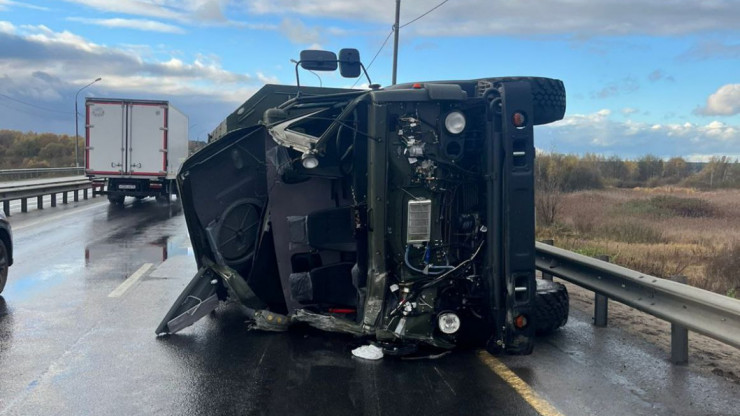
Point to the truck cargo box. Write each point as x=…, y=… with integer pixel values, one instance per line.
x=135, y=138
x=135, y=146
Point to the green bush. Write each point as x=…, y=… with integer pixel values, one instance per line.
x=631, y=232
x=684, y=207
x=669, y=206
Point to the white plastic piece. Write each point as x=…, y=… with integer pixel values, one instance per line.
x=368, y=352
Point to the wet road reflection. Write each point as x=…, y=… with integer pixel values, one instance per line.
x=228, y=370
x=67, y=348
x=66, y=263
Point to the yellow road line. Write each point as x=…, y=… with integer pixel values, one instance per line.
x=530, y=396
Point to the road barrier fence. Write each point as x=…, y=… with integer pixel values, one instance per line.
x=685, y=307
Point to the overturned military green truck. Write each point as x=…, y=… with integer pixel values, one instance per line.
x=402, y=214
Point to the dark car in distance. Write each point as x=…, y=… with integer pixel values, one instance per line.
x=6, y=249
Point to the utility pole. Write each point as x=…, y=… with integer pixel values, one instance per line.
x=395, y=40
x=77, y=131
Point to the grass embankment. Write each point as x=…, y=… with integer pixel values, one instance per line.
x=665, y=232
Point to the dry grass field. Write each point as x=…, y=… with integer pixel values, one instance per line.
x=666, y=232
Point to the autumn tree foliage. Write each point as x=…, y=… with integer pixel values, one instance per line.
x=25, y=150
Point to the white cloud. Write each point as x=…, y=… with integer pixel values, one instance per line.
x=6, y=27
x=711, y=49
x=506, y=17
x=136, y=24
x=299, y=33
x=628, y=111
x=46, y=69
x=659, y=75
x=598, y=133
x=157, y=9
x=190, y=11
x=724, y=102
x=6, y=4
x=626, y=85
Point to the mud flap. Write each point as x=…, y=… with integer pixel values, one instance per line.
x=197, y=300
x=201, y=296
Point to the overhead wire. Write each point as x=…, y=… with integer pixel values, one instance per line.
x=376, y=54
x=393, y=29
x=424, y=14
x=32, y=105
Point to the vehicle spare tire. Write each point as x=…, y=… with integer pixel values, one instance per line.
x=548, y=97
x=551, y=306
x=548, y=94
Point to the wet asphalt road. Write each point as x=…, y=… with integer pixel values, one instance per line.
x=67, y=348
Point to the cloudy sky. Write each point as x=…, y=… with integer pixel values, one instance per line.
x=649, y=76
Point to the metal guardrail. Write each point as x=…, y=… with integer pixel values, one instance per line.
x=38, y=189
x=20, y=174
x=685, y=307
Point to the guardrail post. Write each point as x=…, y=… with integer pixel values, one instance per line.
x=53, y=200
x=84, y=193
x=24, y=204
x=64, y=197
x=6, y=208
x=40, y=202
x=77, y=195
x=601, y=304
x=548, y=276
x=679, y=334
x=679, y=344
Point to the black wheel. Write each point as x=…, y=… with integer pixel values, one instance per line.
x=238, y=232
x=4, y=260
x=548, y=97
x=548, y=94
x=551, y=306
x=116, y=199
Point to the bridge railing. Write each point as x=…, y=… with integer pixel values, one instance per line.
x=24, y=190
x=21, y=174
x=685, y=307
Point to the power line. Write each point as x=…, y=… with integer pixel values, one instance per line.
x=32, y=105
x=381, y=48
x=427, y=12
x=18, y=109
x=393, y=29
x=376, y=54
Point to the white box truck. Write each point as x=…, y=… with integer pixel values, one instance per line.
x=135, y=146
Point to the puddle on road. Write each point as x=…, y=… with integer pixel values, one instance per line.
x=118, y=260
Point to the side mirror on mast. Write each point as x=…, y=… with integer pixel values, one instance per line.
x=348, y=62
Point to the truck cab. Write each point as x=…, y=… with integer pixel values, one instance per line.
x=403, y=214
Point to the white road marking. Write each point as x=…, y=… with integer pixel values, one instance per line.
x=123, y=287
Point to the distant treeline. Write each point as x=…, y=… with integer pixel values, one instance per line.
x=558, y=172
x=554, y=172
x=22, y=150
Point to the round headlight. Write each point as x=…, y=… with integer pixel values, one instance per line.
x=448, y=322
x=455, y=122
x=309, y=161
